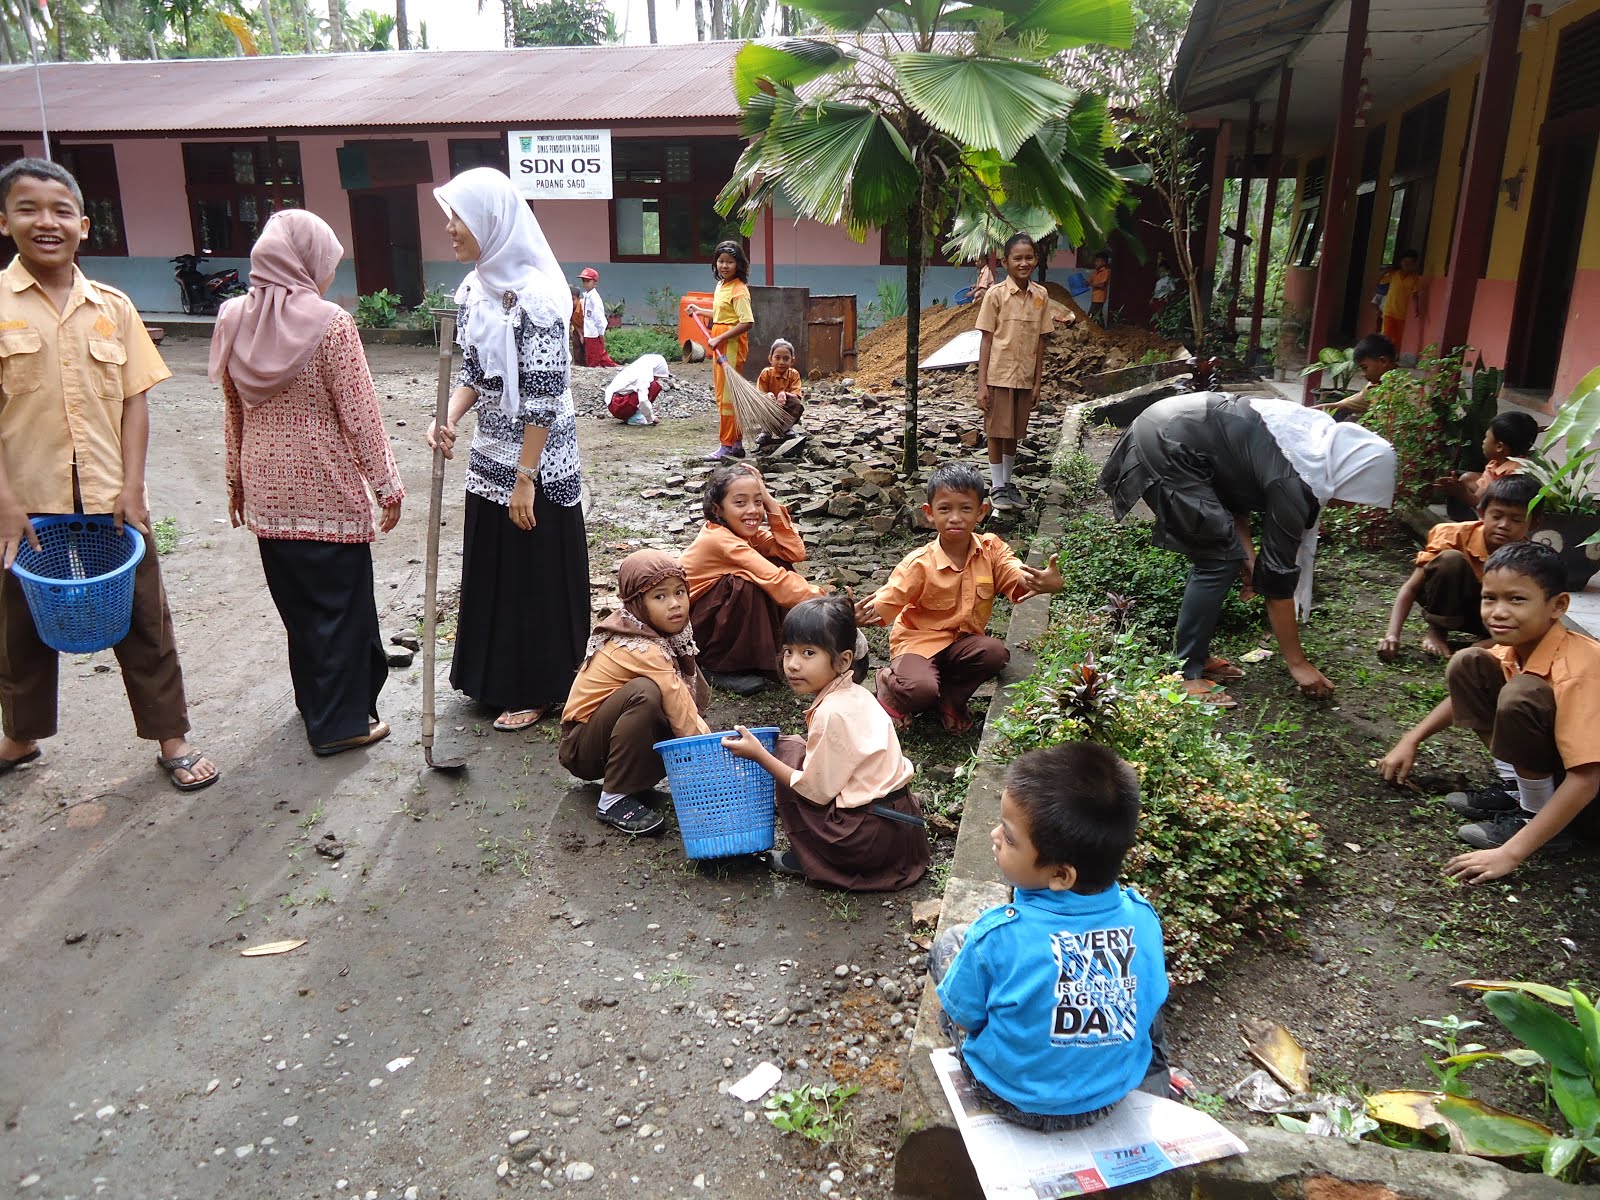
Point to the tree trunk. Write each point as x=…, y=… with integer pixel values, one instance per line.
x=699, y=20
x=6, y=57
x=509, y=8
x=909, y=452
x=335, y=26
x=650, y=16
x=401, y=32
x=61, y=40
x=719, y=20
x=272, y=26
x=785, y=24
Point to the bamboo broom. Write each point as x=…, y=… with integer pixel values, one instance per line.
x=754, y=409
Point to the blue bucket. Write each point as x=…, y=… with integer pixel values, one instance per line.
x=725, y=804
x=79, y=584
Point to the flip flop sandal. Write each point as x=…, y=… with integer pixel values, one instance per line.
x=8, y=765
x=186, y=763
x=376, y=732
x=1220, y=670
x=899, y=719
x=1209, y=692
x=632, y=815
x=508, y=723
x=955, y=720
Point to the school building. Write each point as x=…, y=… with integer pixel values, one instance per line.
x=176, y=156
x=1463, y=129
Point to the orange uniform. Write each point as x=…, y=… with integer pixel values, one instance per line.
x=1465, y=537
x=730, y=306
x=1570, y=664
x=718, y=552
x=932, y=601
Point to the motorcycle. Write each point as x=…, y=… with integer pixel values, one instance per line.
x=200, y=292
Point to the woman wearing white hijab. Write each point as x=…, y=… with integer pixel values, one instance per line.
x=1204, y=463
x=524, y=614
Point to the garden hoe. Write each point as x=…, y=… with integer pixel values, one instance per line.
x=430, y=613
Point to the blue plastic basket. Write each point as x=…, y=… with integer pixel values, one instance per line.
x=724, y=803
x=79, y=585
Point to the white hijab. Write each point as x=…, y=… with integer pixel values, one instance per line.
x=636, y=376
x=1338, y=460
x=515, y=267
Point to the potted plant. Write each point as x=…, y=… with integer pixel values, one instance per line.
x=1567, y=506
x=614, y=314
x=1337, y=368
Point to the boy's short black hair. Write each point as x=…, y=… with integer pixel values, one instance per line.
x=1535, y=560
x=1517, y=430
x=37, y=168
x=957, y=477
x=1405, y=254
x=1513, y=491
x=1374, y=345
x=1082, y=803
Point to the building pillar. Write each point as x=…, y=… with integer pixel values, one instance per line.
x=1480, y=182
x=1212, y=228
x=1270, y=206
x=1246, y=179
x=1336, y=189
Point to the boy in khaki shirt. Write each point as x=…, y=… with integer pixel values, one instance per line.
x=1015, y=319
x=75, y=364
x=939, y=599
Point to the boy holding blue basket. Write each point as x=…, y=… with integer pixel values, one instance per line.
x=75, y=367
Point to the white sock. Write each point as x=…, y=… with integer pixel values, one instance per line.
x=1535, y=793
x=997, y=476
x=1008, y=461
x=1506, y=770
x=607, y=799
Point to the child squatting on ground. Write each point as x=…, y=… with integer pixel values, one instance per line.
x=1448, y=580
x=1015, y=319
x=631, y=394
x=1534, y=698
x=742, y=579
x=638, y=685
x=1510, y=436
x=732, y=319
x=1054, y=1001
x=1374, y=356
x=594, y=321
x=843, y=790
x=75, y=368
x=939, y=599
x=781, y=381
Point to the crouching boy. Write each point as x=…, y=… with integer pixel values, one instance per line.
x=1534, y=698
x=1448, y=580
x=1054, y=1000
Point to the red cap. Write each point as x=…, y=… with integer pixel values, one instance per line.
x=588, y=273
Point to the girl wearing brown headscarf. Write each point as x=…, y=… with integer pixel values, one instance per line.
x=638, y=685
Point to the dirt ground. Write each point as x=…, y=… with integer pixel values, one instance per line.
x=494, y=990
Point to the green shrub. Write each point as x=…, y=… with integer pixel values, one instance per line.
x=627, y=344
x=379, y=310
x=1222, y=846
x=1099, y=555
x=421, y=317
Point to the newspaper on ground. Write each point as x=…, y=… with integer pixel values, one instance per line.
x=1142, y=1137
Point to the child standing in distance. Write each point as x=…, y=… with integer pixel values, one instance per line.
x=75, y=368
x=594, y=321
x=1054, y=1001
x=939, y=599
x=1100, y=289
x=842, y=791
x=781, y=381
x=1015, y=320
x=638, y=685
x=1448, y=579
x=1510, y=436
x=742, y=579
x=1534, y=698
x=1404, y=298
x=732, y=319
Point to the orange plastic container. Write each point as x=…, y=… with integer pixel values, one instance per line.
x=688, y=332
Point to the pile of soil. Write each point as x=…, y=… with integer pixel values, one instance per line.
x=881, y=355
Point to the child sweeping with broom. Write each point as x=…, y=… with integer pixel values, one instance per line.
x=731, y=322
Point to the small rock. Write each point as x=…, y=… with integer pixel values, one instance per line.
x=329, y=846
x=502, y=1168
x=517, y=1136
x=244, y=1151
x=399, y=656
x=841, y=971
x=76, y=936
x=408, y=640
x=578, y=1172
x=213, y=1086
x=564, y=1108
x=110, y=1110
x=411, y=1192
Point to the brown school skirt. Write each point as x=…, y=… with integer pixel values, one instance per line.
x=851, y=848
x=738, y=628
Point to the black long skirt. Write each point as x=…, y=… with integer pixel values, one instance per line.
x=323, y=591
x=524, y=605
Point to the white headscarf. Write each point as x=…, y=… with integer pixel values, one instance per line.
x=515, y=266
x=636, y=376
x=1338, y=460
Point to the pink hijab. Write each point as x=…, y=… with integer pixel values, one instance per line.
x=265, y=338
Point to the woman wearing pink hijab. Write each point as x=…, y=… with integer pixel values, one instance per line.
x=305, y=441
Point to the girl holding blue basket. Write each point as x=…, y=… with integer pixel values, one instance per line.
x=841, y=791
x=639, y=684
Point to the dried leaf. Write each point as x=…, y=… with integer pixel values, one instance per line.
x=1472, y=1126
x=1274, y=1047
x=265, y=948
x=926, y=912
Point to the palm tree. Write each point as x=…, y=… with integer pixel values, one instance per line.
x=951, y=111
x=272, y=26
x=336, y=25
x=650, y=18
x=699, y=20
x=402, y=34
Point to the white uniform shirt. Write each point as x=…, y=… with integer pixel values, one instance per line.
x=594, y=314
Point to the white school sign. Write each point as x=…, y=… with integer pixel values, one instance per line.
x=561, y=164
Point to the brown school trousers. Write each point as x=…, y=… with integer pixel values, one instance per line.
x=148, y=657
x=1451, y=594
x=948, y=679
x=1518, y=714
x=616, y=743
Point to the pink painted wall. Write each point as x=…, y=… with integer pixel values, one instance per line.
x=1492, y=308
x=157, y=222
x=805, y=242
x=1580, y=350
x=319, y=172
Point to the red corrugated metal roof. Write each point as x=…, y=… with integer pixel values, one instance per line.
x=566, y=85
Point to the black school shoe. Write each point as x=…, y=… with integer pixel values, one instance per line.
x=1497, y=831
x=1499, y=797
x=632, y=815
x=739, y=685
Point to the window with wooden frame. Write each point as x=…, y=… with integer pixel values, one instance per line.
x=663, y=197
x=235, y=186
x=1416, y=169
x=466, y=153
x=1305, y=244
x=95, y=169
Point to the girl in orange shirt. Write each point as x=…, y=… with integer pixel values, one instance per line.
x=731, y=322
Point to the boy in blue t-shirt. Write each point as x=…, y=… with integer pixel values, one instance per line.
x=1054, y=1000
